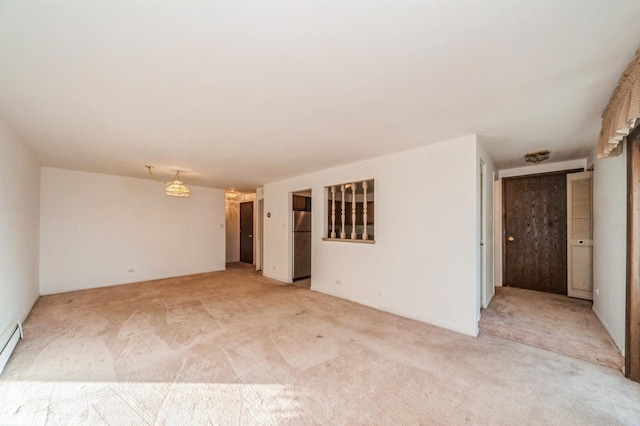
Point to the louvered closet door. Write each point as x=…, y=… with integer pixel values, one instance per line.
x=580, y=235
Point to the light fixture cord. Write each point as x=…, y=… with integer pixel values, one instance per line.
x=155, y=178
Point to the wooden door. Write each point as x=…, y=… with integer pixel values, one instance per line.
x=246, y=232
x=580, y=238
x=535, y=232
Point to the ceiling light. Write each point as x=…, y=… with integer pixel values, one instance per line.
x=536, y=157
x=174, y=187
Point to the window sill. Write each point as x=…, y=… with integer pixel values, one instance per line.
x=348, y=240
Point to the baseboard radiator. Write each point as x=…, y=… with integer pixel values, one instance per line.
x=8, y=341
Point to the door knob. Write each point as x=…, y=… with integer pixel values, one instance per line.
x=511, y=239
x=250, y=236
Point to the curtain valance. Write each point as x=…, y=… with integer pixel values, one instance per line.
x=623, y=111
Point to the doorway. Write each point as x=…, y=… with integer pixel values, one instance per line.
x=301, y=237
x=246, y=232
x=535, y=232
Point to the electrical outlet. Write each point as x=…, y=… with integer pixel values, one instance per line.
x=338, y=282
x=131, y=270
x=597, y=292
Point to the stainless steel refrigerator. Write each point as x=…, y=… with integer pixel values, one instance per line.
x=301, y=244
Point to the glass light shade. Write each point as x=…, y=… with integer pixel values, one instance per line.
x=177, y=189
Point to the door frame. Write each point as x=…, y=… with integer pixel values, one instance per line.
x=632, y=310
x=483, y=235
x=259, y=234
x=503, y=237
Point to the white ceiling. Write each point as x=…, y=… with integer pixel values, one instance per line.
x=241, y=93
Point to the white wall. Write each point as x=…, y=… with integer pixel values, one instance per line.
x=424, y=262
x=232, y=226
x=100, y=230
x=610, y=244
x=522, y=171
x=19, y=228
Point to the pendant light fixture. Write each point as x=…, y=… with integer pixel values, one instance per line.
x=536, y=157
x=175, y=187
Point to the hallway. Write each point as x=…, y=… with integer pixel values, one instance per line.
x=553, y=322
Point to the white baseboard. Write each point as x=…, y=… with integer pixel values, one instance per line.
x=273, y=277
x=8, y=341
x=441, y=324
x=488, y=302
x=606, y=327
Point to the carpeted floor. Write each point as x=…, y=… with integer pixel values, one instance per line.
x=236, y=348
x=554, y=322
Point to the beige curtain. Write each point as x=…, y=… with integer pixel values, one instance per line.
x=622, y=113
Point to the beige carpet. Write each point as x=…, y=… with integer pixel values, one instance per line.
x=236, y=348
x=304, y=283
x=550, y=321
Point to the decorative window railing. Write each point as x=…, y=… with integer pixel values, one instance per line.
x=350, y=212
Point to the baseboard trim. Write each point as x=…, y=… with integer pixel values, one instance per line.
x=606, y=327
x=427, y=320
x=488, y=302
x=8, y=342
x=62, y=290
x=272, y=277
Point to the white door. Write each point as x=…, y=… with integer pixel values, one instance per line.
x=580, y=235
